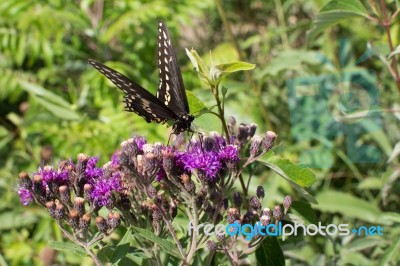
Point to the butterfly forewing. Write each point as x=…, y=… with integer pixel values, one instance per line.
x=136, y=98
x=171, y=90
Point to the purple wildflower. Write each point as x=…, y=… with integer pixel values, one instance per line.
x=161, y=174
x=140, y=141
x=115, y=159
x=103, y=189
x=91, y=170
x=205, y=162
x=229, y=154
x=25, y=196
x=50, y=175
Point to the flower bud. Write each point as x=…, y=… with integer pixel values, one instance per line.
x=267, y=212
x=255, y=203
x=224, y=204
x=124, y=202
x=83, y=158
x=73, y=219
x=25, y=180
x=158, y=150
x=59, y=212
x=255, y=145
x=277, y=213
x=101, y=224
x=150, y=164
x=209, y=143
x=260, y=192
x=247, y=217
x=79, y=206
x=113, y=220
x=237, y=199
x=211, y=245
x=252, y=129
x=233, y=215
x=139, y=165
x=269, y=140
x=151, y=191
x=148, y=148
x=156, y=215
x=168, y=160
x=243, y=133
x=84, y=222
x=221, y=238
x=287, y=203
x=264, y=220
x=51, y=207
x=87, y=191
x=65, y=195
x=38, y=188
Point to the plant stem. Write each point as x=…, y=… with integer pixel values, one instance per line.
x=82, y=244
x=386, y=25
x=215, y=91
x=193, y=246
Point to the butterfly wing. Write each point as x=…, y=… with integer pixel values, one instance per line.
x=136, y=98
x=171, y=90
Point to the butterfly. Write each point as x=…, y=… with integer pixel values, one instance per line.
x=171, y=103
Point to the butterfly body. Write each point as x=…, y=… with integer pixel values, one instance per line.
x=171, y=101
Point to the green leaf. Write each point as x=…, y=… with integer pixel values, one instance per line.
x=391, y=255
x=395, y=52
x=218, y=72
x=195, y=104
x=165, y=244
x=395, y=153
x=349, y=206
x=269, y=253
x=122, y=248
x=51, y=101
x=198, y=64
x=61, y=112
x=305, y=210
x=67, y=246
x=334, y=12
x=297, y=175
x=42, y=92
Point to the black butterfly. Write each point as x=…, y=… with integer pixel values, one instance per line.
x=171, y=102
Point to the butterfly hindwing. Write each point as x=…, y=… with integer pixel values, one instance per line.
x=171, y=90
x=136, y=98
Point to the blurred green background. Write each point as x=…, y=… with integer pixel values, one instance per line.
x=53, y=105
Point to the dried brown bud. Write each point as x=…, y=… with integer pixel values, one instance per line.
x=25, y=180
x=65, y=195
x=79, y=205
x=73, y=219
x=84, y=222
x=113, y=220
x=101, y=224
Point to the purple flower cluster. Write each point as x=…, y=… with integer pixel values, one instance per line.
x=47, y=181
x=209, y=157
x=103, y=189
